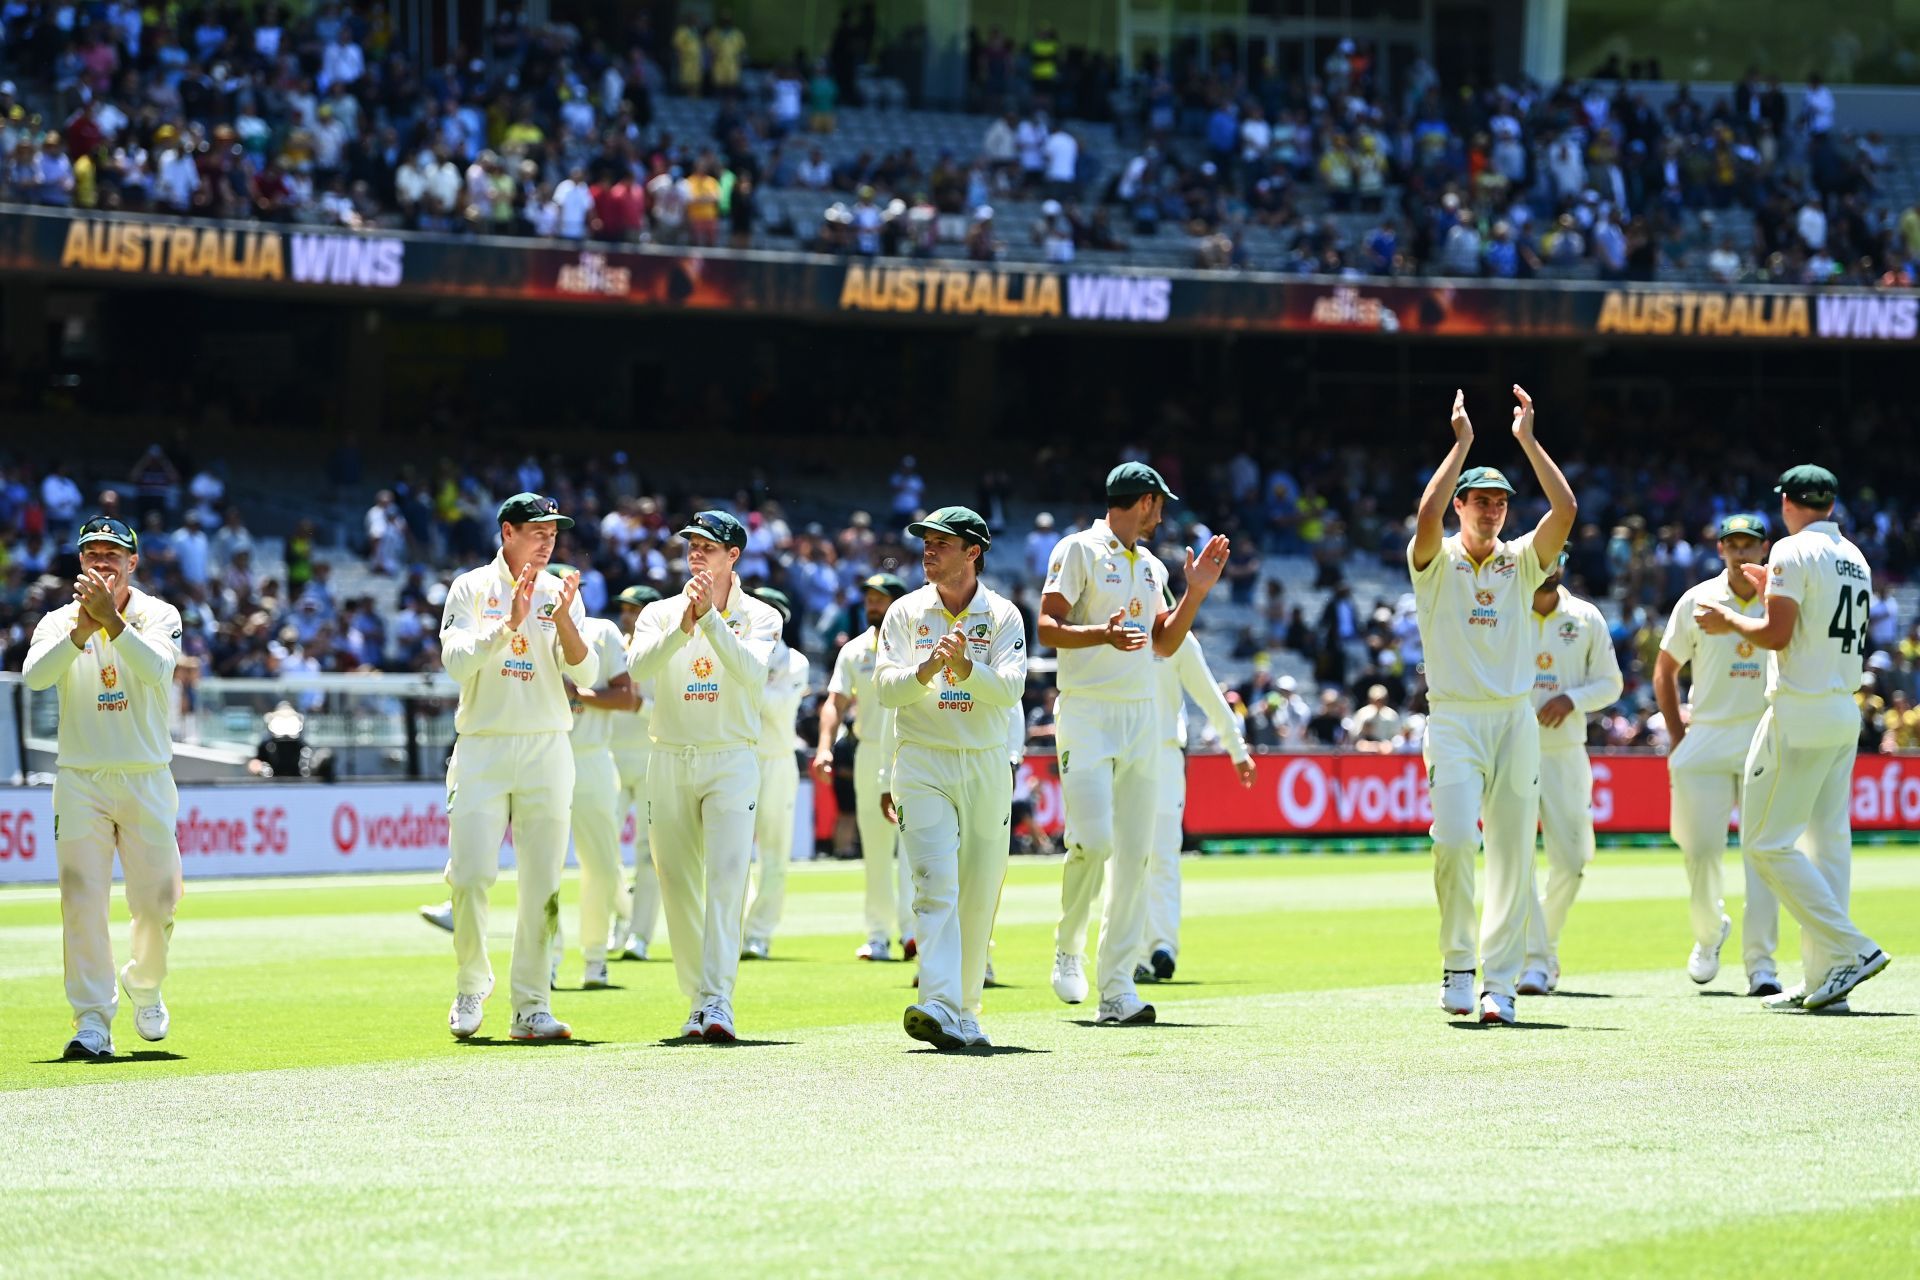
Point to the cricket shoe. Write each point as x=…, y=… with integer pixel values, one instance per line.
x=874, y=949
x=717, y=1015
x=930, y=1024
x=1703, y=966
x=695, y=1026
x=1456, y=991
x=89, y=1044
x=1124, y=1011
x=595, y=978
x=539, y=1025
x=756, y=949
x=635, y=949
x=970, y=1032
x=909, y=948
x=617, y=936
x=468, y=1012
x=1532, y=983
x=1496, y=1008
x=1142, y=974
x=1793, y=1001
x=150, y=1020
x=1553, y=974
x=1843, y=978
x=990, y=979
x=440, y=916
x=1069, y=977
x=1162, y=962
x=1763, y=982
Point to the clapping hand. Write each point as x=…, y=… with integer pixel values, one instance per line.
x=699, y=596
x=1462, y=425
x=95, y=597
x=1522, y=415
x=1204, y=570
x=522, y=597
x=1122, y=637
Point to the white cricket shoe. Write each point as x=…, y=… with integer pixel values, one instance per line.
x=539, y=1025
x=1124, y=1011
x=695, y=1026
x=468, y=1012
x=1456, y=991
x=756, y=949
x=635, y=949
x=1069, y=977
x=89, y=1044
x=595, y=978
x=1553, y=974
x=1763, y=982
x=717, y=1014
x=929, y=1023
x=1495, y=1007
x=440, y=916
x=1843, y=978
x=1703, y=965
x=874, y=949
x=150, y=1020
x=1788, y=1001
x=971, y=1033
x=1532, y=983
x=617, y=935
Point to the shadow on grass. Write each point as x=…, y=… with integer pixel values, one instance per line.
x=1195, y=982
x=1520, y=1026
x=510, y=1043
x=687, y=1042
x=978, y=1051
x=1146, y=1026
x=1858, y=1013
x=1582, y=995
x=136, y=1055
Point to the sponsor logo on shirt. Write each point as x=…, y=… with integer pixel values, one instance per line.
x=1504, y=566
x=1485, y=615
x=1113, y=573
x=702, y=668
x=109, y=676
x=1745, y=666
x=1544, y=661
x=924, y=630
x=518, y=644
x=1569, y=631
x=546, y=614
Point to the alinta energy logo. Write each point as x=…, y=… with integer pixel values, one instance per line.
x=1484, y=598
x=1544, y=662
x=1744, y=648
x=702, y=668
x=518, y=644
x=109, y=676
x=1135, y=608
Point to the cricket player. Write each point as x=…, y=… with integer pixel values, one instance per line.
x=889, y=900
x=1575, y=674
x=953, y=661
x=1709, y=753
x=1472, y=592
x=1103, y=609
x=596, y=789
x=1184, y=675
x=511, y=638
x=631, y=751
x=1794, y=820
x=707, y=653
x=779, y=781
x=112, y=652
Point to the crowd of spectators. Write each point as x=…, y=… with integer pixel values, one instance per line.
x=323, y=117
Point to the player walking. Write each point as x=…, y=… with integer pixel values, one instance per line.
x=631, y=751
x=1799, y=771
x=1575, y=674
x=706, y=652
x=779, y=781
x=953, y=661
x=1102, y=606
x=1710, y=741
x=510, y=637
x=1482, y=749
x=112, y=653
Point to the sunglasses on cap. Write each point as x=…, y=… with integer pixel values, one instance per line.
x=108, y=529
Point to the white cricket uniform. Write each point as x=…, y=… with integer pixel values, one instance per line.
x=1482, y=747
x=1184, y=675
x=889, y=897
x=704, y=781
x=952, y=790
x=1573, y=654
x=779, y=789
x=114, y=791
x=1794, y=819
x=512, y=767
x=1727, y=697
x=632, y=752
x=596, y=798
x=1106, y=728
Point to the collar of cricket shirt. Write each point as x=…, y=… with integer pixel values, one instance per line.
x=1105, y=530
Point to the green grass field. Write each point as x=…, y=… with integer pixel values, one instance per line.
x=1303, y=1108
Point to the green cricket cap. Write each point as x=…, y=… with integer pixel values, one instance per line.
x=1131, y=479
x=560, y=570
x=638, y=597
x=777, y=599
x=887, y=584
x=1482, y=478
x=722, y=527
x=108, y=529
x=963, y=523
x=532, y=508
x=1808, y=484
x=1742, y=524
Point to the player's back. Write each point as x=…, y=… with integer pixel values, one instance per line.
x=1825, y=574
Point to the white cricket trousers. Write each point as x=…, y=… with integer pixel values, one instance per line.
x=889, y=904
x=1703, y=776
x=643, y=908
x=95, y=812
x=1483, y=767
x=701, y=834
x=773, y=841
x=496, y=781
x=1796, y=825
x=596, y=846
x=954, y=807
x=1163, y=872
x=1566, y=826
x=1110, y=789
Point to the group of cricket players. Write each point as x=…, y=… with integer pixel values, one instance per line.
x=683, y=715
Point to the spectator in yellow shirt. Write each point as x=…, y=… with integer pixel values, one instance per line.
x=688, y=59
x=701, y=191
x=727, y=45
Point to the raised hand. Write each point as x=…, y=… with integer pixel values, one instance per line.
x=522, y=597
x=95, y=596
x=1757, y=575
x=1462, y=425
x=1204, y=570
x=1122, y=637
x=569, y=591
x=699, y=594
x=1713, y=619
x=1522, y=414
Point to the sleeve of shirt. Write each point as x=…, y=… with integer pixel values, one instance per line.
x=1532, y=572
x=1677, y=641
x=1787, y=573
x=1601, y=688
x=841, y=681
x=467, y=641
x=50, y=652
x=151, y=650
x=1196, y=677
x=746, y=658
x=586, y=672
x=1067, y=571
x=1422, y=576
x=1016, y=736
x=611, y=656
x=1002, y=678
x=896, y=674
x=656, y=638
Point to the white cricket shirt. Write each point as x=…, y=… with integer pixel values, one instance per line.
x=1729, y=671
x=1100, y=577
x=1473, y=620
x=593, y=730
x=1573, y=654
x=780, y=706
x=708, y=686
x=852, y=677
x=1825, y=574
x=946, y=713
x=510, y=680
x=1187, y=675
x=114, y=694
